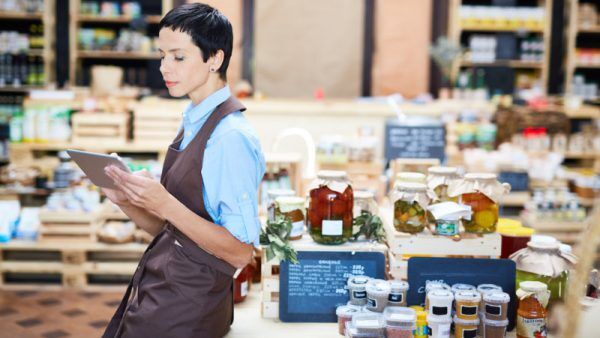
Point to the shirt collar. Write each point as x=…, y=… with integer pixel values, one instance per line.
x=193, y=114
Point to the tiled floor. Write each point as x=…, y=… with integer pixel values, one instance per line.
x=52, y=314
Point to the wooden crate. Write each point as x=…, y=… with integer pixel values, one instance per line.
x=425, y=244
x=270, y=269
x=157, y=120
x=93, y=128
x=67, y=265
x=68, y=226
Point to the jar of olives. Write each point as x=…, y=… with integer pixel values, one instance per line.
x=410, y=203
x=330, y=209
x=292, y=208
x=438, y=179
x=480, y=191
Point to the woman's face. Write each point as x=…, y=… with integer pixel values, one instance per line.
x=181, y=66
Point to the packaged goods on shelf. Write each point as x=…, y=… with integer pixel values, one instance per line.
x=587, y=15
x=9, y=216
x=22, y=66
x=584, y=87
x=588, y=56
x=505, y=17
x=22, y=6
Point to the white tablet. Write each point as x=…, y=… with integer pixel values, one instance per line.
x=93, y=165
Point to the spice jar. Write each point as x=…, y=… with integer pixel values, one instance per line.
x=485, y=288
x=531, y=314
x=410, y=203
x=378, y=292
x=421, y=329
x=357, y=288
x=495, y=305
x=467, y=304
x=438, y=326
x=329, y=214
x=364, y=201
x=344, y=314
x=438, y=179
x=494, y=328
x=368, y=325
x=543, y=261
x=481, y=192
x=400, y=322
x=465, y=328
x=462, y=287
x=430, y=286
x=440, y=302
x=292, y=208
x=398, y=291
x=272, y=196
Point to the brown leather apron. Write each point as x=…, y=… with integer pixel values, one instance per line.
x=179, y=290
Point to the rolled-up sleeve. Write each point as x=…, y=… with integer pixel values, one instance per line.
x=232, y=182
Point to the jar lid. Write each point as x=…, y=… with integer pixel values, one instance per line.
x=533, y=286
x=378, y=288
x=440, y=295
x=497, y=323
x=417, y=308
x=331, y=174
x=363, y=195
x=421, y=314
x=411, y=186
x=543, y=243
x=509, y=222
x=400, y=316
x=467, y=295
x=358, y=282
x=345, y=311
x=406, y=176
x=435, y=319
x=290, y=201
x=496, y=297
x=480, y=176
x=462, y=287
x=398, y=286
x=458, y=321
x=515, y=231
x=358, y=308
x=442, y=170
x=485, y=288
x=274, y=193
x=368, y=321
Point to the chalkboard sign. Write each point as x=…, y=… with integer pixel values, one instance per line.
x=472, y=271
x=311, y=290
x=414, y=140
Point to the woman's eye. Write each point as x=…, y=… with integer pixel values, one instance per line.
x=179, y=58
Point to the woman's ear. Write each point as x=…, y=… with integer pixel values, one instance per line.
x=216, y=61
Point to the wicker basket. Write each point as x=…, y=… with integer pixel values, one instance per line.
x=516, y=119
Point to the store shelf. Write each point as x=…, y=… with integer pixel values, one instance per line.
x=20, y=16
x=501, y=29
x=587, y=66
x=504, y=63
x=117, y=55
x=515, y=199
x=589, y=29
x=21, y=89
x=152, y=19
x=584, y=112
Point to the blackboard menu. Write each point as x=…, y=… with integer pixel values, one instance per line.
x=311, y=290
x=414, y=140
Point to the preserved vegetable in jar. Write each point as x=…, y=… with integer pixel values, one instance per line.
x=438, y=179
x=531, y=314
x=292, y=208
x=272, y=195
x=411, y=200
x=330, y=209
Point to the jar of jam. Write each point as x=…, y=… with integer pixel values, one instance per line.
x=531, y=313
x=481, y=192
x=330, y=209
x=411, y=201
x=272, y=196
x=438, y=179
x=241, y=284
x=292, y=208
x=514, y=238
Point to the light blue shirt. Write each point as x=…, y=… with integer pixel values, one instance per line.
x=233, y=167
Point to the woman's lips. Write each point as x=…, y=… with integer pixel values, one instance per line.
x=170, y=83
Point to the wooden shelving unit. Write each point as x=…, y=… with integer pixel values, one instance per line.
x=573, y=31
x=457, y=29
x=104, y=57
x=20, y=16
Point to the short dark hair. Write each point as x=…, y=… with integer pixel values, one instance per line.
x=210, y=30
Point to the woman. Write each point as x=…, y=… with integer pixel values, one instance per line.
x=204, y=212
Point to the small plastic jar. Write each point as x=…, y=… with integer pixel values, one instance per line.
x=438, y=326
x=496, y=305
x=467, y=304
x=400, y=322
x=368, y=325
x=357, y=290
x=344, y=314
x=440, y=302
x=421, y=330
x=485, y=288
x=398, y=291
x=292, y=208
x=429, y=286
x=465, y=328
x=494, y=328
x=462, y=287
x=378, y=292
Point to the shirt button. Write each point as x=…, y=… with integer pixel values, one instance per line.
x=188, y=133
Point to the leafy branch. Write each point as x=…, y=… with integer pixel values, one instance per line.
x=370, y=226
x=275, y=237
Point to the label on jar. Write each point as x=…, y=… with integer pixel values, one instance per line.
x=332, y=228
x=359, y=294
x=445, y=228
x=469, y=333
x=395, y=298
x=531, y=327
x=494, y=310
x=297, y=229
x=372, y=303
x=468, y=310
x=439, y=310
x=367, y=323
x=244, y=289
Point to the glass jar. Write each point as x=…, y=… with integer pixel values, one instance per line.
x=413, y=177
x=272, y=196
x=364, y=201
x=485, y=209
x=292, y=208
x=409, y=207
x=514, y=237
x=531, y=313
x=438, y=179
x=329, y=214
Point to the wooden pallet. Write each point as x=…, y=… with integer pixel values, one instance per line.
x=68, y=226
x=425, y=244
x=67, y=265
x=270, y=269
x=91, y=128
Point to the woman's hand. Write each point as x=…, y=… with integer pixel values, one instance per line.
x=140, y=189
x=116, y=196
